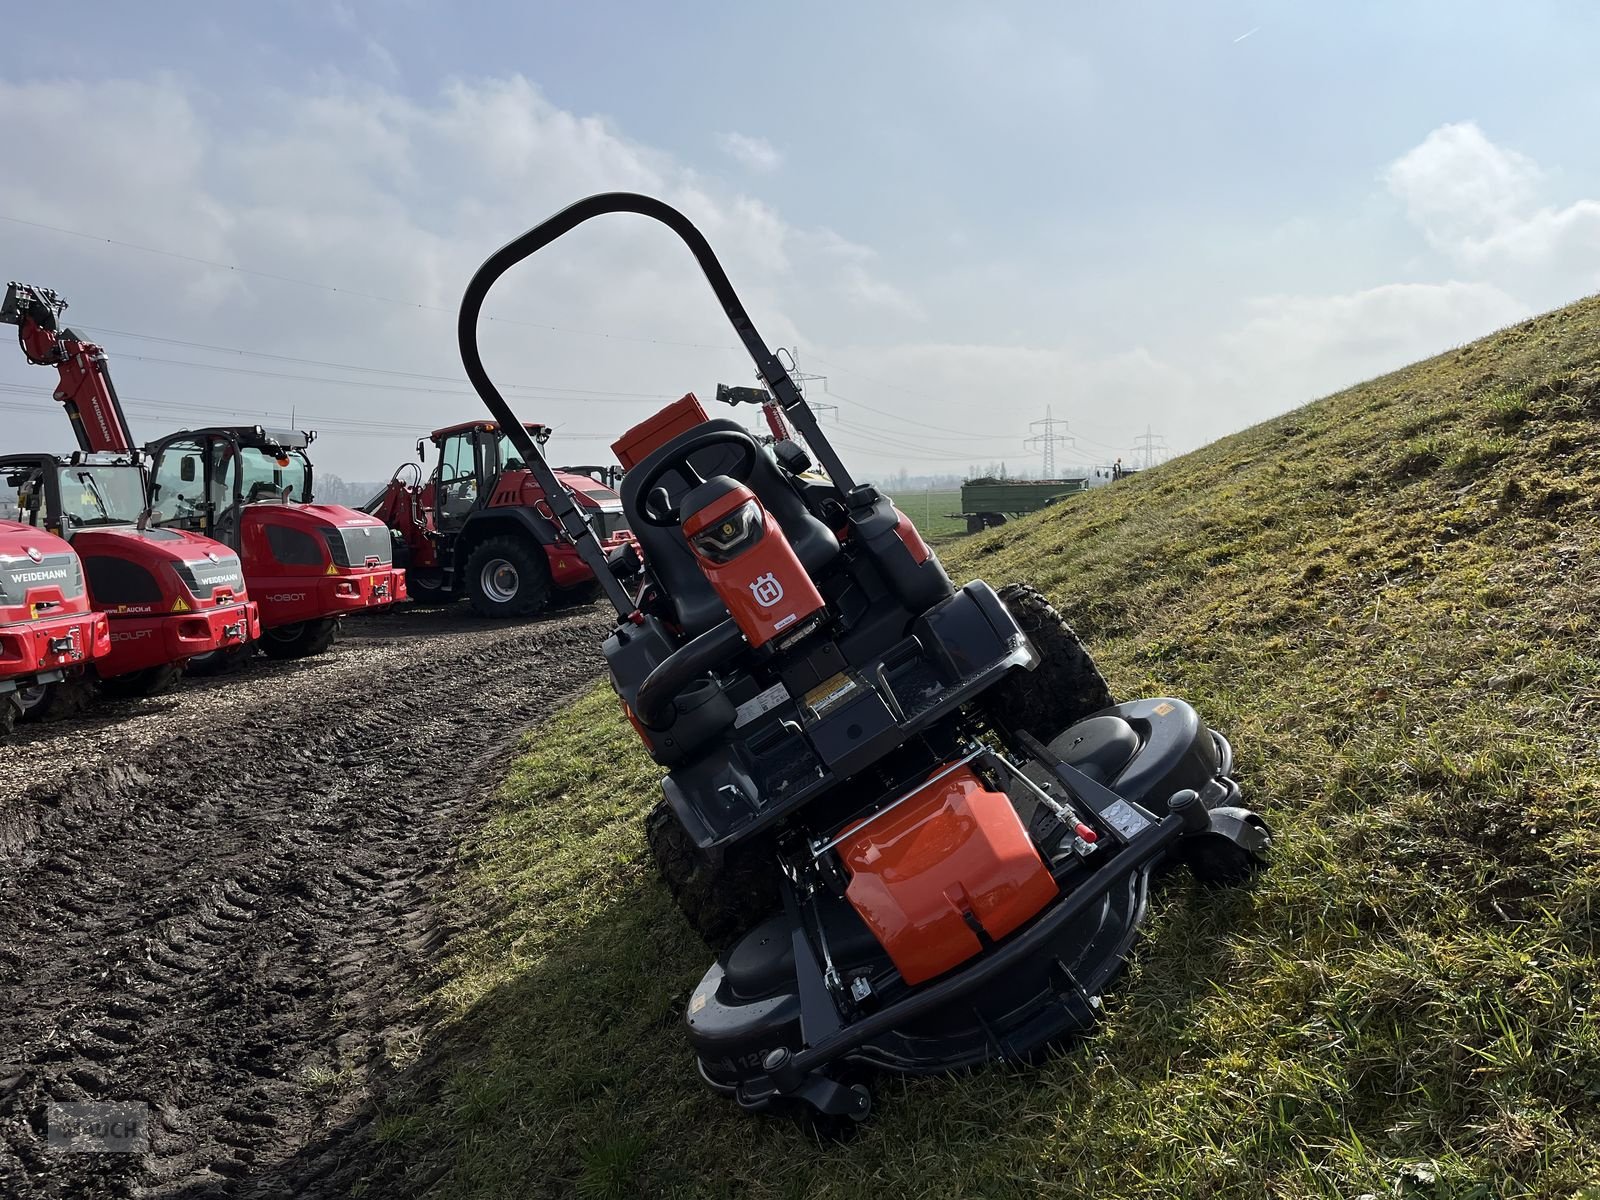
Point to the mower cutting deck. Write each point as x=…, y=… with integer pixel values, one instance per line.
x=909, y=816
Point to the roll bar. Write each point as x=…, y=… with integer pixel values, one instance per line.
x=770, y=369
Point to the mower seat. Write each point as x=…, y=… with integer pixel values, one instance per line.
x=667, y=552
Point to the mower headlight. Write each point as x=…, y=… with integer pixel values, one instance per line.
x=731, y=535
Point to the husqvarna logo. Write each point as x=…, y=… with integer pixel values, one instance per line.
x=767, y=590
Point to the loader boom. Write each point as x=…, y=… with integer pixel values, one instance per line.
x=85, y=386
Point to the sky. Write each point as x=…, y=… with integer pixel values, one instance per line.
x=1171, y=218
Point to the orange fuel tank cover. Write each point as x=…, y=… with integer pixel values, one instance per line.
x=954, y=848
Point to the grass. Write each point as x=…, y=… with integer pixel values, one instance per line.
x=931, y=512
x=1388, y=600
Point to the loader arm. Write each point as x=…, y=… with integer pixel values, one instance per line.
x=85, y=386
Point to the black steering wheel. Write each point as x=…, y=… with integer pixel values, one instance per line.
x=665, y=517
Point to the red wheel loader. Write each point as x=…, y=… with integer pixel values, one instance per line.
x=481, y=526
x=48, y=632
x=245, y=487
x=170, y=596
x=307, y=564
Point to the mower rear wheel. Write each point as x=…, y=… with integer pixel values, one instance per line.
x=151, y=681
x=1064, y=688
x=300, y=640
x=508, y=577
x=720, y=905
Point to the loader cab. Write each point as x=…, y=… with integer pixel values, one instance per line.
x=472, y=458
x=201, y=480
x=65, y=495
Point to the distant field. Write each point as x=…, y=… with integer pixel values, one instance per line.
x=928, y=510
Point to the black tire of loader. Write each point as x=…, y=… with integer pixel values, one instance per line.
x=719, y=905
x=533, y=577
x=425, y=586
x=1064, y=688
x=9, y=712
x=300, y=640
x=151, y=681
x=64, y=698
x=221, y=662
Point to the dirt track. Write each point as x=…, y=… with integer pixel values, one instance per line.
x=219, y=901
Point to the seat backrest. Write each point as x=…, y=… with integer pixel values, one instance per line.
x=697, y=603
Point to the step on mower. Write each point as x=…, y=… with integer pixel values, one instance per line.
x=909, y=817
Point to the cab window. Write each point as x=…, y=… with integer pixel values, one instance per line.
x=177, y=490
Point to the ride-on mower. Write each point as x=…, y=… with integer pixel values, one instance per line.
x=909, y=816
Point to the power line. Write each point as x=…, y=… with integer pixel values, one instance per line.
x=370, y=370
x=324, y=287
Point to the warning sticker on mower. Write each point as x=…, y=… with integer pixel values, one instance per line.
x=756, y=705
x=1121, y=817
x=829, y=693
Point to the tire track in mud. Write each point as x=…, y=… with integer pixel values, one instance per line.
x=231, y=924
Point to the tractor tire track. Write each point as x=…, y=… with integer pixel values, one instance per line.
x=229, y=918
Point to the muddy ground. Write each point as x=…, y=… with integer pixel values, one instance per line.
x=221, y=902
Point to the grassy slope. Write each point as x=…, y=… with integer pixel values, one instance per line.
x=1387, y=599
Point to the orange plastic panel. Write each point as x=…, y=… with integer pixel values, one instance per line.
x=767, y=589
x=654, y=432
x=952, y=849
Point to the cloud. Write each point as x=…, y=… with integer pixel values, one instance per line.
x=1458, y=185
x=378, y=195
x=1479, y=204
x=1295, y=347
x=753, y=153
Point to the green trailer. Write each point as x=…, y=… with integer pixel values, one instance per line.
x=986, y=503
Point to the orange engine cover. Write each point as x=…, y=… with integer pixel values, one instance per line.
x=952, y=849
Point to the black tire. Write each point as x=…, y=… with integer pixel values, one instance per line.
x=719, y=905
x=221, y=662
x=9, y=712
x=151, y=681
x=300, y=640
x=579, y=596
x=1064, y=688
x=53, y=701
x=508, y=577
x=425, y=585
